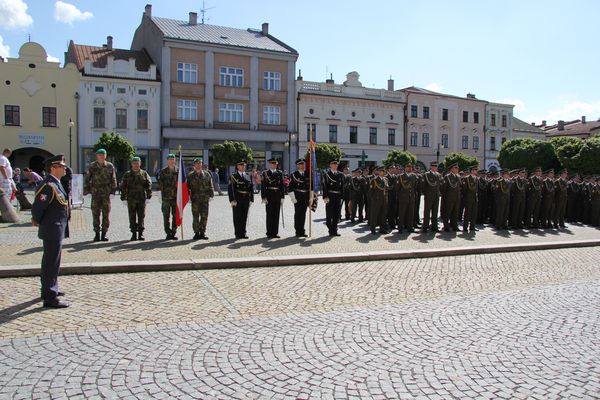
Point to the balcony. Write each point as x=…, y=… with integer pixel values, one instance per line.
x=187, y=89
x=184, y=123
x=272, y=96
x=274, y=128
x=232, y=93
x=231, y=125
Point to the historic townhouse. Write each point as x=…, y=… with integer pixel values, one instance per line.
x=499, y=119
x=438, y=124
x=222, y=83
x=521, y=129
x=119, y=92
x=365, y=123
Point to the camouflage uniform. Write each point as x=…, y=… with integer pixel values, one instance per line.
x=101, y=182
x=167, y=184
x=136, y=188
x=201, y=189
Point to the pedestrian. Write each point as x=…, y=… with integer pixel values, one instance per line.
x=200, y=186
x=431, y=184
x=534, y=198
x=49, y=214
x=33, y=179
x=167, y=184
x=560, y=200
x=547, y=204
x=502, y=201
x=518, y=199
x=357, y=200
x=407, y=183
x=299, y=191
x=101, y=182
x=272, y=194
x=451, y=198
x=470, y=201
x=332, y=185
x=378, y=201
x=6, y=173
x=136, y=191
x=241, y=196
x=216, y=180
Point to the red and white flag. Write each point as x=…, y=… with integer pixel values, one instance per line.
x=183, y=195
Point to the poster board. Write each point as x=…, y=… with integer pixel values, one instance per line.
x=77, y=190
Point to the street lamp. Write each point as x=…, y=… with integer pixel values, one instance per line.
x=71, y=125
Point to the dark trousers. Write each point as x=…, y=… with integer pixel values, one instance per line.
x=50, y=268
x=300, y=215
x=332, y=212
x=358, y=204
x=517, y=212
x=168, y=210
x=406, y=211
x=533, y=210
x=137, y=214
x=272, y=209
x=430, y=211
x=240, y=216
x=470, y=215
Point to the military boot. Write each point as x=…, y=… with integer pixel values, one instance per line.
x=97, y=237
x=133, y=236
x=104, y=238
x=141, y=235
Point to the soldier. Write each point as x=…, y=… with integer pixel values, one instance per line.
x=407, y=183
x=241, y=195
x=595, y=202
x=586, y=194
x=560, y=199
x=378, y=198
x=49, y=214
x=451, y=199
x=547, y=204
x=366, y=180
x=273, y=194
x=518, y=200
x=574, y=200
x=502, y=201
x=136, y=191
x=534, y=198
x=101, y=182
x=299, y=194
x=346, y=206
x=167, y=184
x=430, y=187
x=356, y=195
x=418, y=193
x=200, y=186
x=469, y=193
x=482, y=196
x=333, y=191
x=392, y=211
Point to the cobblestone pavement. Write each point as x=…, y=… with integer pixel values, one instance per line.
x=20, y=245
x=515, y=325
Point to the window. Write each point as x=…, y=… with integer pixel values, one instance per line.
x=12, y=115
x=142, y=119
x=492, y=143
x=99, y=89
x=231, y=112
x=308, y=132
x=49, y=116
x=372, y=135
x=229, y=76
x=187, y=73
x=121, y=114
x=475, y=142
x=444, y=114
x=391, y=136
x=271, y=80
x=354, y=134
x=445, y=140
x=425, y=139
x=493, y=122
x=333, y=133
x=142, y=92
x=465, y=116
x=414, y=139
x=476, y=117
x=465, y=142
x=271, y=115
x=425, y=112
x=99, y=117
x=504, y=121
x=414, y=111
x=121, y=90
x=187, y=110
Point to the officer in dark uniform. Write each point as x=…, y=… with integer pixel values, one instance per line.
x=406, y=186
x=534, y=198
x=547, y=204
x=272, y=193
x=357, y=200
x=451, y=199
x=502, y=201
x=49, y=214
x=392, y=201
x=560, y=200
x=482, y=196
x=518, y=197
x=470, y=199
x=430, y=187
x=299, y=194
x=332, y=185
x=378, y=199
x=241, y=195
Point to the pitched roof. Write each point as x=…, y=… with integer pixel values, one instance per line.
x=415, y=89
x=78, y=53
x=520, y=125
x=224, y=36
x=575, y=128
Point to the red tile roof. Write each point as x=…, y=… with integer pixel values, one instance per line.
x=575, y=128
x=78, y=53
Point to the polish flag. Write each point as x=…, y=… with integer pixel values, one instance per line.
x=183, y=195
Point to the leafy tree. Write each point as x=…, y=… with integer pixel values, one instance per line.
x=399, y=157
x=117, y=147
x=464, y=161
x=567, y=151
x=326, y=152
x=527, y=153
x=228, y=153
x=589, y=156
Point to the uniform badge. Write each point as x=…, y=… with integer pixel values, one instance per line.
x=42, y=197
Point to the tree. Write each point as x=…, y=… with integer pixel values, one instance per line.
x=589, y=156
x=117, y=147
x=527, y=153
x=464, y=161
x=326, y=152
x=229, y=153
x=567, y=151
x=399, y=157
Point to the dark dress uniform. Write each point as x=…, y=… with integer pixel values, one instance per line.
x=482, y=198
x=560, y=201
x=518, y=200
x=470, y=201
x=595, y=204
x=407, y=183
x=547, y=204
x=574, y=202
x=430, y=186
x=300, y=187
x=49, y=212
x=534, y=198
x=333, y=189
x=241, y=194
x=418, y=194
x=450, y=201
x=378, y=202
x=357, y=198
x=392, y=211
x=501, y=203
x=273, y=193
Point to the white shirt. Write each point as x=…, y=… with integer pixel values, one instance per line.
x=4, y=162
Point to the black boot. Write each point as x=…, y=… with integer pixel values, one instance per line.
x=97, y=237
x=196, y=236
x=133, y=236
x=141, y=235
x=104, y=238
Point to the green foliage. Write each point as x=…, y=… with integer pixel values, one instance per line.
x=117, y=147
x=326, y=152
x=464, y=161
x=528, y=153
x=589, y=156
x=399, y=157
x=228, y=153
x=567, y=151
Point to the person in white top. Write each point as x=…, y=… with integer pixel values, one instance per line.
x=6, y=173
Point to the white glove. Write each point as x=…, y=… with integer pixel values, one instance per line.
x=326, y=200
x=112, y=196
x=210, y=199
x=293, y=197
x=264, y=201
x=233, y=203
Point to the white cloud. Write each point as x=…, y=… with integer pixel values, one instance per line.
x=434, y=87
x=68, y=13
x=519, y=104
x=13, y=15
x=4, y=48
x=570, y=111
x=50, y=58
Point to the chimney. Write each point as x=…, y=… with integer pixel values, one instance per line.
x=265, y=28
x=543, y=122
x=148, y=10
x=193, y=18
x=561, y=125
x=471, y=96
x=583, y=119
x=330, y=80
x=391, y=84
x=299, y=75
x=533, y=124
x=109, y=44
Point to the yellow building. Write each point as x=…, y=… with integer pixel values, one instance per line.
x=39, y=108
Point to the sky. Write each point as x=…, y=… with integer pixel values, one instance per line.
x=540, y=55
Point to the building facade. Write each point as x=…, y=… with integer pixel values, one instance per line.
x=119, y=92
x=438, y=124
x=39, y=100
x=365, y=123
x=222, y=84
x=499, y=119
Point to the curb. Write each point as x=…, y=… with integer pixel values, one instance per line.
x=17, y=271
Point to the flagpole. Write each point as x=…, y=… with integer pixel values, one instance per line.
x=180, y=188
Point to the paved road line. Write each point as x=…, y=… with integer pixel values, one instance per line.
x=217, y=294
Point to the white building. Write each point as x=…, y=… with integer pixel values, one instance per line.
x=119, y=92
x=356, y=118
x=499, y=129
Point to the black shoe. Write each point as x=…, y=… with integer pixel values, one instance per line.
x=424, y=230
x=465, y=230
x=203, y=237
x=383, y=232
x=301, y=235
x=196, y=237
x=141, y=236
x=446, y=229
x=55, y=304
x=133, y=236
x=361, y=219
x=97, y=237
x=60, y=294
x=104, y=238
x=436, y=229
x=411, y=230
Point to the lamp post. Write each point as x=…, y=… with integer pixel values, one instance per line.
x=71, y=125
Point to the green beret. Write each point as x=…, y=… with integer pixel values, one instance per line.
x=171, y=155
x=197, y=159
x=136, y=158
x=100, y=151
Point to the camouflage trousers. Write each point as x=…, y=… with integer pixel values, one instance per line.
x=100, y=205
x=137, y=213
x=199, y=215
x=169, y=208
